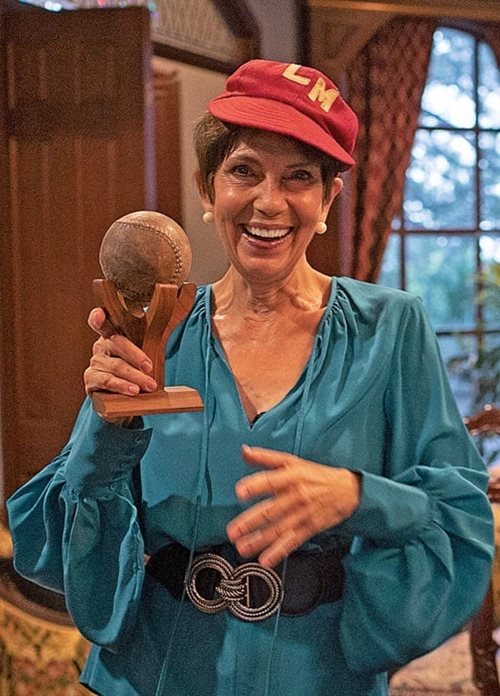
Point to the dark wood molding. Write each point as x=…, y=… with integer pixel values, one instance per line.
x=238, y=18
x=304, y=31
x=171, y=53
x=483, y=10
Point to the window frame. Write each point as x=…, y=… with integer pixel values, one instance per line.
x=479, y=331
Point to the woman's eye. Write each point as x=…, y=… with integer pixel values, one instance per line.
x=301, y=175
x=241, y=170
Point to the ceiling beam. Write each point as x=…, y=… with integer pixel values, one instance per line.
x=486, y=10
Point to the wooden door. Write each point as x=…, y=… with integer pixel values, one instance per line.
x=75, y=142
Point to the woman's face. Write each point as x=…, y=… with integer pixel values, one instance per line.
x=268, y=201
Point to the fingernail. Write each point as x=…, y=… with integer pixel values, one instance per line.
x=243, y=548
x=147, y=365
x=150, y=385
x=133, y=389
x=241, y=491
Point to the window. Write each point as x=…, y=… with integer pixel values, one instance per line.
x=445, y=244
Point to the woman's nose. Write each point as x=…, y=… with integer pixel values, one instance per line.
x=269, y=198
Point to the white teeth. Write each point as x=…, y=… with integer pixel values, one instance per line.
x=267, y=233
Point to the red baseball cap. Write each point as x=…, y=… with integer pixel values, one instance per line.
x=292, y=100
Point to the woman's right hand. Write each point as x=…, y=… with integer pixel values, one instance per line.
x=117, y=365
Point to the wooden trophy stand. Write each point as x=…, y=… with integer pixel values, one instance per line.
x=149, y=330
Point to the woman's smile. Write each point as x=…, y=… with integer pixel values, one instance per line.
x=262, y=233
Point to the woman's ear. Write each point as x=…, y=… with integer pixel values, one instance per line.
x=338, y=185
x=335, y=189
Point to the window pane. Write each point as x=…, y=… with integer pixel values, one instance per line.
x=489, y=88
x=489, y=166
x=448, y=96
x=441, y=269
x=390, y=273
x=490, y=264
x=458, y=354
x=439, y=192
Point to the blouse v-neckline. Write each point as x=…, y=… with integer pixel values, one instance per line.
x=218, y=348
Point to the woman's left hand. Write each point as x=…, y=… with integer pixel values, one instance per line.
x=303, y=498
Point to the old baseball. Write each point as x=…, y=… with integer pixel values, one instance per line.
x=142, y=249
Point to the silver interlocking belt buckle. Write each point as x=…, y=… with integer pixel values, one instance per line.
x=232, y=591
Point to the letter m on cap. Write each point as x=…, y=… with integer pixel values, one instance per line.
x=324, y=96
x=319, y=93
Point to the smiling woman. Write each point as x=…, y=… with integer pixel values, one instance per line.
x=268, y=198
x=324, y=519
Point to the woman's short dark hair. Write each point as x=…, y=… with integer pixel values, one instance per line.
x=215, y=140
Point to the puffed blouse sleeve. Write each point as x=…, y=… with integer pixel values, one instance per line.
x=75, y=527
x=421, y=557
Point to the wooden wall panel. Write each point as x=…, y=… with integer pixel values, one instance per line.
x=167, y=141
x=76, y=116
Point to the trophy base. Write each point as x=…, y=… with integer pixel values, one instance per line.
x=170, y=400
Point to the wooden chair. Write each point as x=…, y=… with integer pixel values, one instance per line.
x=483, y=646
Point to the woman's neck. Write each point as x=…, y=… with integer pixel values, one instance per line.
x=305, y=290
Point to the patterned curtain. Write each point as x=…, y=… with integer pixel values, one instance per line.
x=385, y=85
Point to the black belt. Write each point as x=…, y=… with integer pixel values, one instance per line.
x=219, y=578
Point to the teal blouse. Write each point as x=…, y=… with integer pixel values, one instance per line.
x=374, y=398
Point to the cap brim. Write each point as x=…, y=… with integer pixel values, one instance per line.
x=267, y=114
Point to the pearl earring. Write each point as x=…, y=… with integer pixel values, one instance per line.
x=321, y=229
x=208, y=217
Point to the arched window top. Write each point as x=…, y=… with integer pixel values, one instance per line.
x=463, y=86
x=452, y=180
